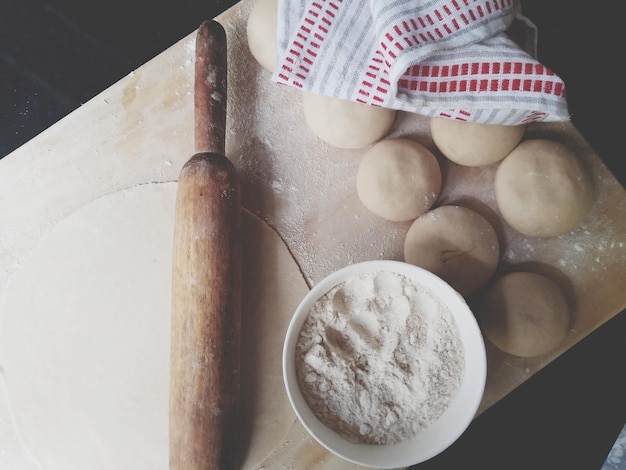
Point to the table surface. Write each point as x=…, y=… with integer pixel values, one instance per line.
x=56, y=55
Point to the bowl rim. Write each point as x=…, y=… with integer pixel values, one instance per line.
x=425, y=444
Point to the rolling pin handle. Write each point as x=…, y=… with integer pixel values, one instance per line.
x=210, y=88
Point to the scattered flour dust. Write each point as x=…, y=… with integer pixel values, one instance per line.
x=379, y=358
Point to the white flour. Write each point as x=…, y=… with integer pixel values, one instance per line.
x=379, y=358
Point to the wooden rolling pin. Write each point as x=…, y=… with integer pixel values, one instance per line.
x=206, y=285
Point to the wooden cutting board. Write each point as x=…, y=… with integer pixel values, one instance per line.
x=140, y=130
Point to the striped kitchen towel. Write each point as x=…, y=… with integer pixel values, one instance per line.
x=445, y=58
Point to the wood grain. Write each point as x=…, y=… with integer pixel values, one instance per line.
x=139, y=131
x=206, y=283
x=210, y=88
x=206, y=316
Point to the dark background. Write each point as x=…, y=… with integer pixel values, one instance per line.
x=57, y=54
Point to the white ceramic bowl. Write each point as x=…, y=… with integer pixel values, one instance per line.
x=437, y=436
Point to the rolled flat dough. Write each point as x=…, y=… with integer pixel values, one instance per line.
x=84, y=338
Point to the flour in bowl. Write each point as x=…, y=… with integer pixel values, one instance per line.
x=379, y=358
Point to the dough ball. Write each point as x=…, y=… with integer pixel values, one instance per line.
x=524, y=314
x=261, y=32
x=542, y=189
x=398, y=179
x=472, y=143
x=344, y=123
x=455, y=243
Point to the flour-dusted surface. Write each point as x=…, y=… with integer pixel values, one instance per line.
x=306, y=190
x=140, y=130
x=379, y=358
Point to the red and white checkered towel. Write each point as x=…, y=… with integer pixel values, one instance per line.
x=448, y=58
